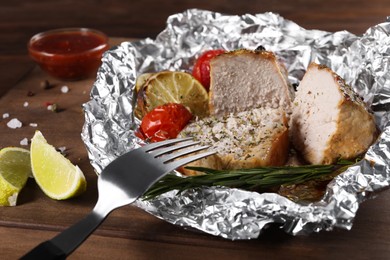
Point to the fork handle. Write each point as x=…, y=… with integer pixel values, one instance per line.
x=67, y=241
x=45, y=250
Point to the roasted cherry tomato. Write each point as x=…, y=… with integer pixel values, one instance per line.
x=164, y=122
x=201, y=70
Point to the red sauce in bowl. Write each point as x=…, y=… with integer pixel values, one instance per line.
x=69, y=54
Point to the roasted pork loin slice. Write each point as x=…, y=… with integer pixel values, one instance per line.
x=242, y=80
x=330, y=121
x=248, y=139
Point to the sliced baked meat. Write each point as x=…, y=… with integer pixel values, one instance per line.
x=242, y=80
x=248, y=139
x=330, y=121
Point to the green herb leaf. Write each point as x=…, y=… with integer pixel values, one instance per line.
x=247, y=179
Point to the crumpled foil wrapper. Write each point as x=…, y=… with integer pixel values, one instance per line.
x=363, y=61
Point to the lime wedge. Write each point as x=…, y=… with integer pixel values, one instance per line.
x=15, y=169
x=56, y=175
x=171, y=87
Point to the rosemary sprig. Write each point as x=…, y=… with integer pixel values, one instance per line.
x=247, y=179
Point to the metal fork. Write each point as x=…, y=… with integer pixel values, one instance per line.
x=122, y=182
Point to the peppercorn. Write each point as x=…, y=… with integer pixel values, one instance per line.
x=45, y=84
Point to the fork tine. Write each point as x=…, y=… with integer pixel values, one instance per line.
x=178, y=163
x=161, y=151
x=153, y=146
x=180, y=153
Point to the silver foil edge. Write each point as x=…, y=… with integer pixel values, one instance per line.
x=363, y=61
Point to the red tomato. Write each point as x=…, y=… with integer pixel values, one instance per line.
x=164, y=122
x=201, y=70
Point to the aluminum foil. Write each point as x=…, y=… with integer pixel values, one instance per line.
x=364, y=61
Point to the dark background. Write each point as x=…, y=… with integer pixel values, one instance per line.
x=20, y=19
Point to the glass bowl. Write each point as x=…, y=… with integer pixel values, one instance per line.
x=70, y=53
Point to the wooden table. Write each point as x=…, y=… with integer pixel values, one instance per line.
x=130, y=233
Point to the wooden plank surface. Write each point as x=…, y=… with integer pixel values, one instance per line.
x=130, y=233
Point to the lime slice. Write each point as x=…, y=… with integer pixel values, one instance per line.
x=56, y=175
x=172, y=87
x=141, y=80
x=15, y=169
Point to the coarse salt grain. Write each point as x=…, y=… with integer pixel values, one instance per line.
x=62, y=149
x=14, y=123
x=64, y=89
x=24, y=141
x=5, y=115
x=25, y=104
x=33, y=124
